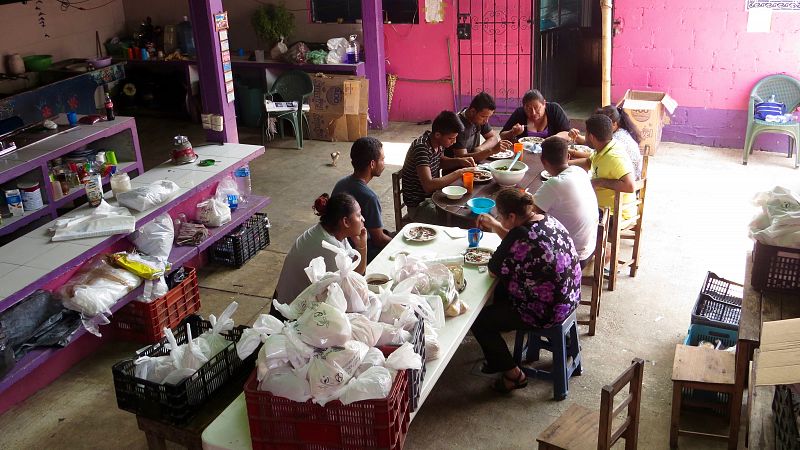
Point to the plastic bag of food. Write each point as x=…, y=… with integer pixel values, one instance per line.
x=94, y=288
x=406, y=266
x=400, y=299
x=404, y=358
x=225, y=188
x=393, y=335
x=153, y=369
x=337, y=50
x=296, y=53
x=353, y=284
x=274, y=353
x=153, y=289
x=456, y=309
x=431, y=344
x=323, y=326
x=374, y=383
x=373, y=357
x=441, y=283
x=147, y=267
x=213, y=338
x=264, y=326
x=317, y=56
x=778, y=223
x=299, y=352
x=438, y=320
x=365, y=330
x=146, y=197
x=213, y=213
x=287, y=383
x=278, y=49
x=155, y=238
x=329, y=371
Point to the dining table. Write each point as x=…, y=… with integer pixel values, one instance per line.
x=457, y=211
x=231, y=429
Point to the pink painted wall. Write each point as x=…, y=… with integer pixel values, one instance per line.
x=419, y=51
x=699, y=52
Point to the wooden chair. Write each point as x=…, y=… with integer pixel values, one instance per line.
x=397, y=190
x=595, y=280
x=704, y=369
x=583, y=428
x=630, y=229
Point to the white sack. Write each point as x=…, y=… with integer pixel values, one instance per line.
x=146, y=197
x=374, y=383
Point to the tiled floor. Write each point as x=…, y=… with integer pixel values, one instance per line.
x=696, y=220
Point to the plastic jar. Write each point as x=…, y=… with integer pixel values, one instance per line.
x=120, y=182
x=31, y=196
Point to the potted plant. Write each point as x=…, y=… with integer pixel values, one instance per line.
x=272, y=22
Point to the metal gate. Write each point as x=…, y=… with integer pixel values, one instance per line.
x=495, y=51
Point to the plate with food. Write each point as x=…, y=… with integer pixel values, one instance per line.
x=420, y=234
x=581, y=148
x=505, y=154
x=545, y=175
x=482, y=176
x=531, y=139
x=478, y=256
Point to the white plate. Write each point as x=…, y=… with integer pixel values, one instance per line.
x=411, y=234
x=478, y=249
x=531, y=139
x=582, y=148
x=505, y=154
x=545, y=175
x=486, y=173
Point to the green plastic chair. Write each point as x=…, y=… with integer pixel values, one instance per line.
x=291, y=86
x=787, y=91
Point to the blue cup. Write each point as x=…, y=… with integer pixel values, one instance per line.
x=474, y=236
x=72, y=118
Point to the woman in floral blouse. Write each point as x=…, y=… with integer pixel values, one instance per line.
x=539, y=278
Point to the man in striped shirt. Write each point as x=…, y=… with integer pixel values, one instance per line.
x=424, y=159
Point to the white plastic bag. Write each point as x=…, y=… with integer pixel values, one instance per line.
x=265, y=325
x=299, y=352
x=431, y=344
x=323, y=326
x=778, y=223
x=365, y=330
x=154, y=369
x=374, y=383
x=155, y=238
x=337, y=51
x=278, y=49
x=146, y=197
x=374, y=357
x=213, y=212
x=404, y=358
x=353, y=284
x=393, y=335
x=288, y=383
x=226, y=186
x=104, y=220
x=194, y=354
x=213, y=338
x=329, y=371
x=438, y=320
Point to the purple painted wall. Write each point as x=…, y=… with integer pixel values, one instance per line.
x=702, y=54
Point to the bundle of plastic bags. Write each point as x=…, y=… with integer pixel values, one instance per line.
x=431, y=278
x=94, y=289
x=150, y=196
x=337, y=50
x=778, y=222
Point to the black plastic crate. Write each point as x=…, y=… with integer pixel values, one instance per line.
x=719, y=303
x=243, y=243
x=775, y=268
x=416, y=376
x=177, y=403
x=785, y=418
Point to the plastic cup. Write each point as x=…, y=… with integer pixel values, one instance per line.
x=468, y=178
x=518, y=147
x=72, y=118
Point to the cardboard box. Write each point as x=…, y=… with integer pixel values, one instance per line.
x=648, y=111
x=337, y=127
x=339, y=94
x=779, y=361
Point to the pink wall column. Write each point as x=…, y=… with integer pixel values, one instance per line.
x=702, y=54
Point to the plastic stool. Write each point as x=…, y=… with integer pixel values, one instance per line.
x=562, y=342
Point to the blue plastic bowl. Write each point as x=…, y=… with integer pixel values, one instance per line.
x=480, y=205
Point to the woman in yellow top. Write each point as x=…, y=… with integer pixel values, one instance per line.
x=609, y=165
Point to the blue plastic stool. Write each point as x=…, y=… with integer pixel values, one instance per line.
x=562, y=342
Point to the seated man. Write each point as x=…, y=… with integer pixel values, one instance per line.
x=366, y=155
x=609, y=165
x=425, y=157
x=568, y=196
x=476, y=124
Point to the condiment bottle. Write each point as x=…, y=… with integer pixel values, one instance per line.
x=109, y=108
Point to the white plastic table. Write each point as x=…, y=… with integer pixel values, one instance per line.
x=231, y=429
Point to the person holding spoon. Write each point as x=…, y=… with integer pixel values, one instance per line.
x=539, y=276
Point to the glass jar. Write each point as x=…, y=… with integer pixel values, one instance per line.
x=120, y=182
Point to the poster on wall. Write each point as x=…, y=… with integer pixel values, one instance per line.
x=774, y=5
x=221, y=21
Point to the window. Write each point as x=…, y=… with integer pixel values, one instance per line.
x=349, y=11
x=560, y=13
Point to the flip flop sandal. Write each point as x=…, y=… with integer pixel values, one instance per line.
x=519, y=383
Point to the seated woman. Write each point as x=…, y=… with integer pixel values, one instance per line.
x=339, y=218
x=537, y=118
x=539, y=278
x=624, y=132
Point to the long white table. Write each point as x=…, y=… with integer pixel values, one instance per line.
x=231, y=429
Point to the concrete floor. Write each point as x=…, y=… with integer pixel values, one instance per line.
x=696, y=220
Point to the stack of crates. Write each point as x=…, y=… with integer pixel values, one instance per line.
x=715, y=319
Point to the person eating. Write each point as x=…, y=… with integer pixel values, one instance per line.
x=624, y=132
x=539, y=281
x=609, y=165
x=475, y=119
x=339, y=219
x=420, y=173
x=536, y=118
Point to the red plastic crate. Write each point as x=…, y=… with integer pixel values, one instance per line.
x=277, y=423
x=145, y=322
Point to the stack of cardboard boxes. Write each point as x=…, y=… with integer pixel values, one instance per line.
x=338, y=107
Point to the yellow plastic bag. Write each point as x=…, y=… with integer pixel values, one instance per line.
x=143, y=266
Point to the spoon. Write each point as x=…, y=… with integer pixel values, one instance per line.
x=516, y=158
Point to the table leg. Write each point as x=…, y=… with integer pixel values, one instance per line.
x=154, y=441
x=675, y=422
x=735, y=419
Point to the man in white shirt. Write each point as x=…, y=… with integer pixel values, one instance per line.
x=568, y=196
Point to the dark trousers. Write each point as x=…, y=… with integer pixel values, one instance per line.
x=494, y=319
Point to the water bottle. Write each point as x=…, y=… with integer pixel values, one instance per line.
x=243, y=182
x=186, y=37
x=351, y=56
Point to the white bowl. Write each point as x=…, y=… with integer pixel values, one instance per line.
x=454, y=192
x=508, y=177
x=378, y=282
